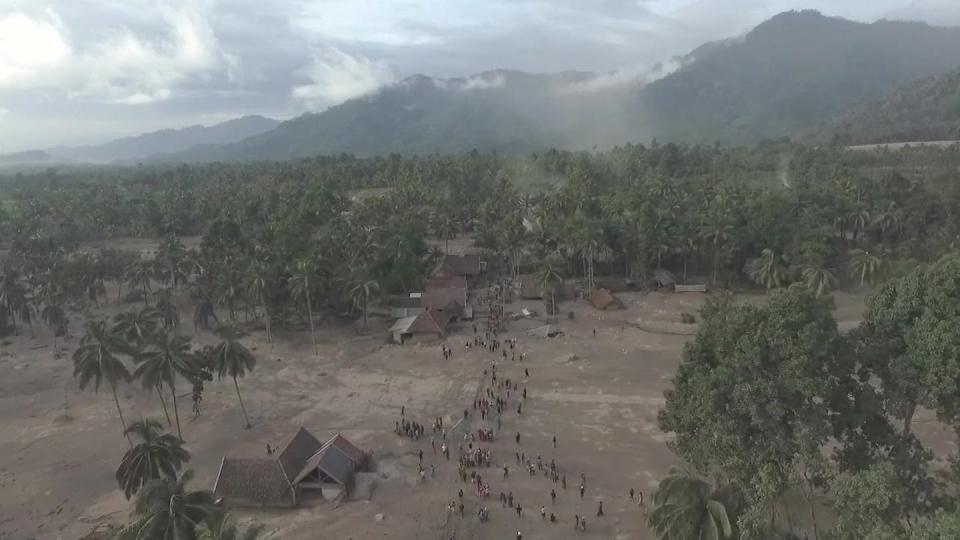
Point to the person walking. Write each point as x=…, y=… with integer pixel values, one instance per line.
x=600, y=510
x=554, y=441
x=553, y=496
x=582, y=490
x=543, y=512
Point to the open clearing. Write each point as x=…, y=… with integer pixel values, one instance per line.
x=60, y=446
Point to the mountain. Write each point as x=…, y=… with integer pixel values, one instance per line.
x=927, y=110
x=791, y=72
x=786, y=75
x=140, y=147
x=495, y=110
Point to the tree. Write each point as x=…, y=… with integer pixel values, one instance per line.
x=95, y=360
x=686, y=507
x=173, y=261
x=768, y=270
x=818, y=279
x=166, y=357
x=361, y=292
x=56, y=319
x=785, y=354
x=165, y=510
x=864, y=266
x=549, y=277
x=259, y=283
x=231, y=358
x=139, y=275
x=866, y=500
x=301, y=289
x=157, y=455
x=134, y=330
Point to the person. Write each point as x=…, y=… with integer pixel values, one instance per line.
x=576, y=523
x=543, y=512
x=403, y=409
x=554, y=441
x=518, y=436
x=519, y=511
x=510, y=500
x=553, y=518
x=564, y=480
x=553, y=496
x=582, y=490
x=460, y=494
x=600, y=510
x=594, y=332
x=269, y=450
x=420, y=454
x=506, y=471
x=433, y=471
x=519, y=406
x=583, y=524
x=519, y=536
x=640, y=503
x=526, y=373
x=461, y=509
x=631, y=494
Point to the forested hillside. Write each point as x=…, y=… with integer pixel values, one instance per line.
x=927, y=110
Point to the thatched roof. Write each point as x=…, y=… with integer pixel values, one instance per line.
x=253, y=482
x=296, y=453
x=602, y=299
x=439, y=299
x=459, y=265
x=427, y=323
x=337, y=459
x=664, y=278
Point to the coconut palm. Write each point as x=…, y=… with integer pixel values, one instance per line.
x=360, y=294
x=165, y=510
x=864, y=265
x=818, y=279
x=139, y=275
x=301, y=289
x=687, y=508
x=231, y=358
x=549, y=277
x=166, y=357
x=14, y=297
x=95, y=360
x=56, y=319
x=768, y=270
x=258, y=283
x=157, y=455
x=173, y=261
x=134, y=330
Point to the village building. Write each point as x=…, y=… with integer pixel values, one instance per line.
x=602, y=299
x=304, y=464
x=406, y=306
x=418, y=329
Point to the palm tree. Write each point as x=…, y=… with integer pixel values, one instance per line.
x=139, y=275
x=134, y=330
x=301, y=289
x=258, y=283
x=226, y=529
x=157, y=455
x=864, y=265
x=686, y=508
x=95, y=360
x=173, y=261
x=165, y=510
x=768, y=270
x=231, y=358
x=56, y=319
x=818, y=279
x=360, y=293
x=163, y=359
x=549, y=277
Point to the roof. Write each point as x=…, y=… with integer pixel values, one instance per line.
x=664, y=277
x=403, y=325
x=603, y=299
x=460, y=265
x=293, y=456
x=258, y=481
x=338, y=458
x=426, y=323
x=443, y=282
x=405, y=302
x=439, y=299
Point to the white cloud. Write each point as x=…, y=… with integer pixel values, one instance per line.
x=29, y=48
x=335, y=76
x=484, y=82
x=120, y=68
x=4, y=112
x=625, y=76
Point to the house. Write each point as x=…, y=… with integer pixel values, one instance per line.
x=448, y=303
x=419, y=328
x=406, y=306
x=303, y=464
x=664, y=279
x=466, y=266
x=602, y=299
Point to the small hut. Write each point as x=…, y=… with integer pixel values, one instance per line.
x=664, y=279
x=419, y=328
x=602, y=299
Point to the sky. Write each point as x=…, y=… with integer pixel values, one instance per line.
x=86, y=71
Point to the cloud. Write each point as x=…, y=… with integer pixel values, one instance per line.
x=29, y=48
x=122, y=67
x=4, y=112
x=622, y=77
x=484, y=82
x=335, y=76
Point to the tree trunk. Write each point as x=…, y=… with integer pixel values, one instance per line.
x=908, y=418
x=242, y=408
x=266, y=313
x=313, y=336
x=364, y=311
x=176, y=412
x=163, y=402
x=123, y=422
x=684, y=266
